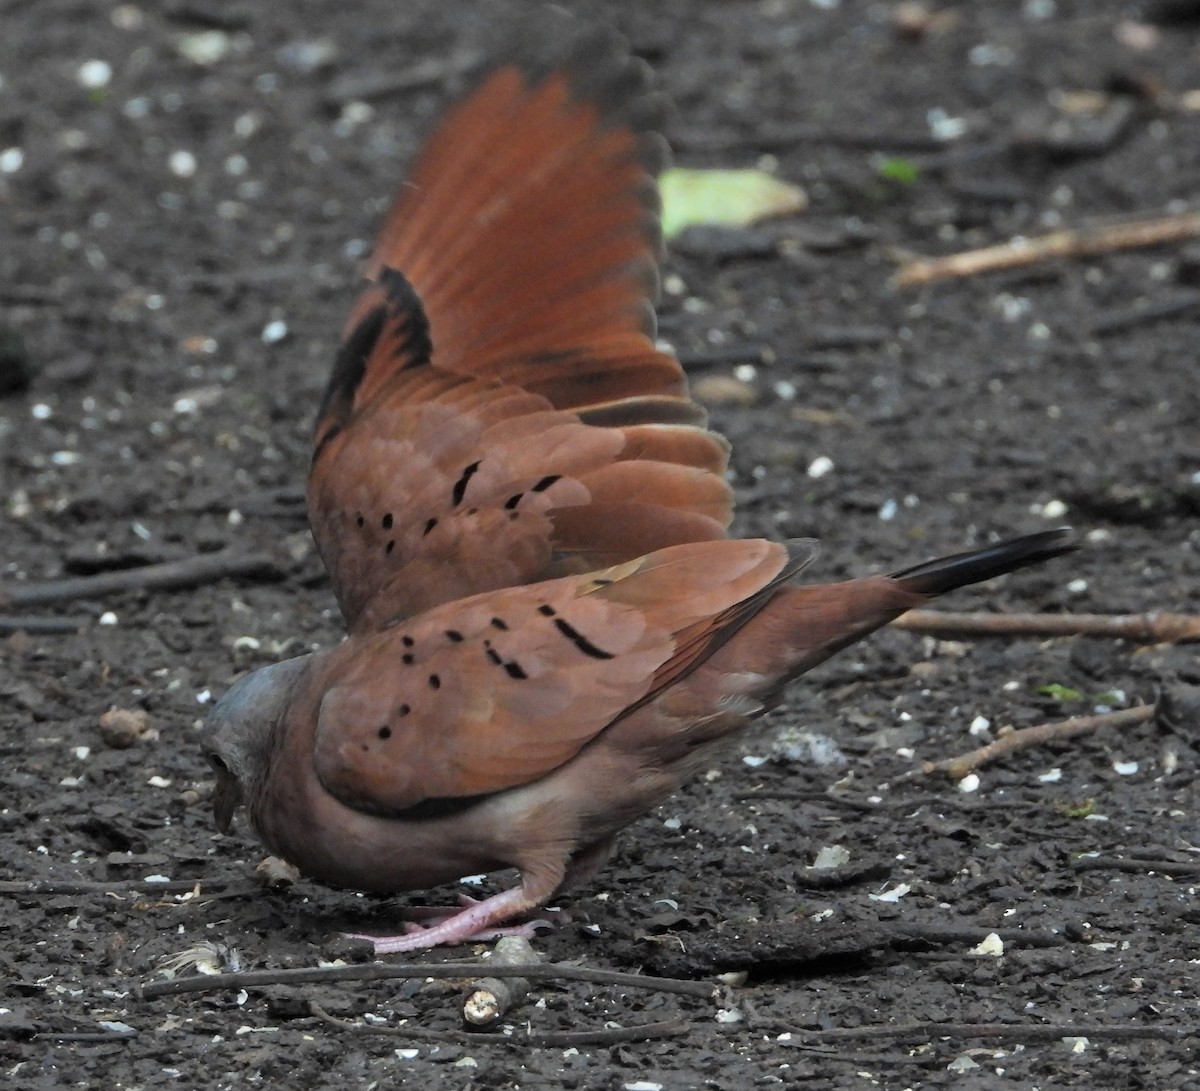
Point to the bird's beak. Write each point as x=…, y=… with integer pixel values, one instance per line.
x=226, y=799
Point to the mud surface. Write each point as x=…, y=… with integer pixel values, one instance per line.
x=180, y=244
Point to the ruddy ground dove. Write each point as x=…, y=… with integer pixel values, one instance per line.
x=524, y=519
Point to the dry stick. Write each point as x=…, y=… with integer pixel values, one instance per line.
x=1155, y=626
x=16, y=888
x=185, y=573
x=1012, y=741
x=1136, y=866
x=552, y=1039
x=1039, y=1032
x=383, y=971
x=1069, y=243
x=10, y=623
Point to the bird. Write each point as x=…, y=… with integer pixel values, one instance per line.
x=525, y=521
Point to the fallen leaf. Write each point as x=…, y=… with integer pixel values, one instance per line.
x=728, y=198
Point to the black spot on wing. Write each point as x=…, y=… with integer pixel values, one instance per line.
x=546, y=482
x=580, y=641
x=460, y=486
x=513, y=669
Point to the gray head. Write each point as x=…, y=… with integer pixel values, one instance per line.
x=238, y=731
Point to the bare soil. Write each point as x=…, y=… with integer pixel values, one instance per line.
x=178, y=246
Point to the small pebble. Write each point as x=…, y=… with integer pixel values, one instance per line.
x=274, y=332
x=121, y=728
x=94, y=74
x=182, y=164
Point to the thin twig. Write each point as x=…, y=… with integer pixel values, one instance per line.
x=51, y=887
x=42, y=625
x=1154, y=626
x=1137, y=867
x=1012, y=741
x=1144, y=313
x=186, y=573
x=1069, y=243
x=551, y=1039
x=383, y=971
x=1032, y=1032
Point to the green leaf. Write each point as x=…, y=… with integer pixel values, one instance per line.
x=725, y=198
x=1083, y=809
x=1060, y=693
x=897, y=169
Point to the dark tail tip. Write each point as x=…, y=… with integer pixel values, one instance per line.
x=961, y=569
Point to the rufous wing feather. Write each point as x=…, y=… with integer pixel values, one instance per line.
x=520, y=259
x=497, y=690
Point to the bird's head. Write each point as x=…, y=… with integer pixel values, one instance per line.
x=240, y=729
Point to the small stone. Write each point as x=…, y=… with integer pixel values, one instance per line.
x=276, y=872
x=274, y=332
x=122, y=728
x=94, y=74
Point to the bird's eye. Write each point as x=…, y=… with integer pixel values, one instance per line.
x=216, y=762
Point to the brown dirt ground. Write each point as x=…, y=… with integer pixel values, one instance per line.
x=141, y=281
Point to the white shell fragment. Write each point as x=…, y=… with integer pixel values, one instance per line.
x=991, y=945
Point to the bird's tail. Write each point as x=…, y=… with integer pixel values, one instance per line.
x=960, y=569
x=804, y=625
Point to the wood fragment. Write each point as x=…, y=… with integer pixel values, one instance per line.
x=1154, y=626
x=190, y=572
x=490, y=998
x=1012, y=741
x=1021, y=252
x=385, y=971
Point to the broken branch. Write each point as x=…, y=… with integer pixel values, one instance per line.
x=1011, y=741
x=1021, y=252
x=381, y=971
x=1154, y=626
x=553, y=1039
x=171, y=574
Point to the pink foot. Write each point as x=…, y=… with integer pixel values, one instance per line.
x=473, y=922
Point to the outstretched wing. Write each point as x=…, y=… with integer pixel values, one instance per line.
x=498, y=412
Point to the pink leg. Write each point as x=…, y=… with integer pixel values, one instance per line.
x=473, y=923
